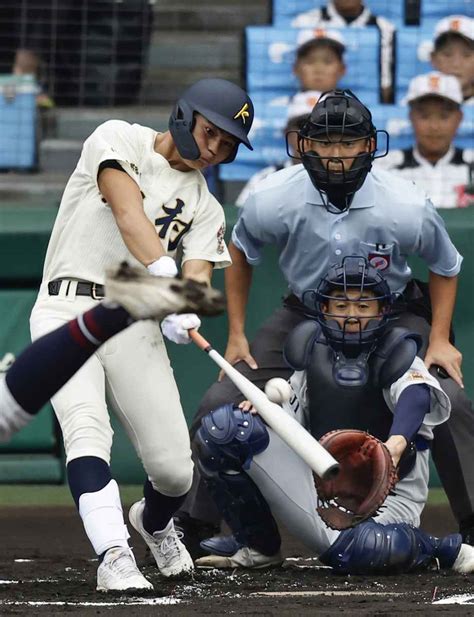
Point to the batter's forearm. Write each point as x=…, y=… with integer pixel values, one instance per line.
x=198, y=270
x=443, y=298
x=138, y=232
x=238, y=279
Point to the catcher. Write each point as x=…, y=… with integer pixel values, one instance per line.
x=354, y=369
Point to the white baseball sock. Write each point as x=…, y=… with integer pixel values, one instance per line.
x=102, y=516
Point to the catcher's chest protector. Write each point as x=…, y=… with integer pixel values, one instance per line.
x=332, y=406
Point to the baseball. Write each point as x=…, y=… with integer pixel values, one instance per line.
x=278, y=390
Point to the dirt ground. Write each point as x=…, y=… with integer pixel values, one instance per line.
x=46, y=568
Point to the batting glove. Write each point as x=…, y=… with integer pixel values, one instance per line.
x=164, y=266
x=175, y=327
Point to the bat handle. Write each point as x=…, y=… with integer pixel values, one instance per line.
x=199, y=340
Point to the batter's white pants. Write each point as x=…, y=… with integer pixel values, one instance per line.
x=287, y=484
x=133, y=370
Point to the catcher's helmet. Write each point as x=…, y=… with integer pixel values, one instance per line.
x=354, y=273
x=221, y=102
x=338, y=116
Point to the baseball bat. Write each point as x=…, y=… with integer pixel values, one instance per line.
x=286, y=427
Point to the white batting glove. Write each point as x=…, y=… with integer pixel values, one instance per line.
x=164, y=266
x=175, y=327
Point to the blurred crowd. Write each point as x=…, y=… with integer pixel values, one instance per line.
x=430, y=122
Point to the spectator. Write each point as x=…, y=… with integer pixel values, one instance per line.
x=434, y=163
x=297, y=115
x=28, y=62
x=453, y=51
x=353, y=13
x=319, y=63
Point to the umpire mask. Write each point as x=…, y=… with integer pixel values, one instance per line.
x=337, y=145
x=353, y=304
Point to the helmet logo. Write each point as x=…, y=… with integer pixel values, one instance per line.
x=243, y=113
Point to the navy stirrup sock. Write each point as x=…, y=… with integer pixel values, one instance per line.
x=158, y=508
x=48, y=363
x=87, y=474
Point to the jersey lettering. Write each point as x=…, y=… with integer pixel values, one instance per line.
x=171, y=220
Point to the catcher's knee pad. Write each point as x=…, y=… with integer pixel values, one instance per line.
x=372, y=548
x=229, y=438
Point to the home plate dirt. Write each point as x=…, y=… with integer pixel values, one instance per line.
x=46, y=568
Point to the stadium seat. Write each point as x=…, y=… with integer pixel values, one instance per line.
x=271, y=52
x=17, y=122
x=284, y=11
x=441, y=8
x=413, y=55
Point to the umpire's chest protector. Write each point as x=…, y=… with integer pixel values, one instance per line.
x=332, y=406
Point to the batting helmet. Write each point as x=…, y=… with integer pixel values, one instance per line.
x=338, y=116
x=221, y=102
x=354, y=273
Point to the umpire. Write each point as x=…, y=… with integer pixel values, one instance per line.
x=334, y=205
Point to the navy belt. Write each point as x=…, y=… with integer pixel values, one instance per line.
x=84, y=288
x=421, y=443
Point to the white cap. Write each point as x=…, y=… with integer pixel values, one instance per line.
x=320, y=33
x=435, y=84
x=302, y=103
x=460, y=24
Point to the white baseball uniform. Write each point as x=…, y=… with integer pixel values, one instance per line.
x=294, y=503
x=133, y=368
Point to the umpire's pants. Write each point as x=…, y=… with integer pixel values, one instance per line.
x=453, y=444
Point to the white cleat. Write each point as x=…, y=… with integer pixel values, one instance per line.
x=245, y=557
x=465, y=560
x=171, y=556
x=119, y=572
x=154, y=297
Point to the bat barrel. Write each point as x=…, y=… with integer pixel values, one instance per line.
x=286, y=427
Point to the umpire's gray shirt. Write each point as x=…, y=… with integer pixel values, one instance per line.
x=389, y=219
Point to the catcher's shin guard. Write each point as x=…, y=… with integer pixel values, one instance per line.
x=244, y=509
x=372, y=548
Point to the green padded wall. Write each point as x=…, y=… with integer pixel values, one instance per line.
x=23, y=240
x=32, y=454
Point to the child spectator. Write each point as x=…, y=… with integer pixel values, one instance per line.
x=297, y=115
x=434, y=163
x=353, y=13
x=319, y=65
x=453, y=51
x=319, y=62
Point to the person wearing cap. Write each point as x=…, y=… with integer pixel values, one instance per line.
x=337, y=203
x=294, y=123
x=140, y=196
x=433, y=162
x=319, y=65
x=319, y=62
x=354, y=14
x=453, y=51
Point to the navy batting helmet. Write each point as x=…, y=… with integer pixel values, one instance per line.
x=338, y=116
x=221, y=102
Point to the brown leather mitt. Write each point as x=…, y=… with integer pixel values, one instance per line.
x=365, y=478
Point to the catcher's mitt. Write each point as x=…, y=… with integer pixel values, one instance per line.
x=365, y=478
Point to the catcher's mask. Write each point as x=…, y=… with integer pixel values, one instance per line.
x=354, y=332
x=221, y=102
x=338, y=117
